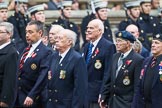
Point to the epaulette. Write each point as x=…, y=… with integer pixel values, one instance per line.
x=71, y=24
x=151, y=17
x=140, y=18
x=56, y=20
x=142, y=31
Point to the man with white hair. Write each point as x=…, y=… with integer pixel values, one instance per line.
x=53, y=34
x=100, y=11
x=67, y=74
x=8, y=65
x=97, y=53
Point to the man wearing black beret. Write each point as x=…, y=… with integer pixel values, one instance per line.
x=149, y=93
x=119, y=86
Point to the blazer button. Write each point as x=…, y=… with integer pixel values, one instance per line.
x=19, y=88
x=114, y=94
x=50, y=90
x=19, y=78
x=50, y=100
x=55, y=91
x=56, y=100
x=114, y=86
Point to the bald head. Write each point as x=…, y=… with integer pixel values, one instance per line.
x=98, y=23
x=95, y=29
x=133, y=29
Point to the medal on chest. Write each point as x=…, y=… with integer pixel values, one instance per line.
x=160, y=71
x=98, y=64
x=126, y=80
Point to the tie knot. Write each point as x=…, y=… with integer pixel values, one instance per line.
x=154, y=59
x=91, y=45
x=28, y=48
x=122, y=56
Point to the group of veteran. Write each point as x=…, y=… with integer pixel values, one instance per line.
x=55, y=75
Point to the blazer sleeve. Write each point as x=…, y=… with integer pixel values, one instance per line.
x=9, y=80
x=80, y=84
x=41, y=81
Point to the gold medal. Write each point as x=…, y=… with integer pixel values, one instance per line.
x=33, y=66
x=62, y=74
x=126, y=81
x=98, y=64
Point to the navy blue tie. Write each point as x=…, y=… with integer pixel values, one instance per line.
x=89, y=54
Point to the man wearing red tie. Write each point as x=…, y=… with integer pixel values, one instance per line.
x=33, y=67
x=149, y=89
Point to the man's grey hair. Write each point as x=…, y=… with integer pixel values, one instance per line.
x=56, y=26
x=8, y=26
x=70, y=35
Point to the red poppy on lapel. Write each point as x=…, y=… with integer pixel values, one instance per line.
x=33, y=55
x=128, y=62
x=142, y=73
x=96, y=52
x=160, y=63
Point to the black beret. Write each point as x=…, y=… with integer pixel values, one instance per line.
x=125, y=35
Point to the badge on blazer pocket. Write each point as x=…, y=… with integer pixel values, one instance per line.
x=33, y=66
x=62, y=74
x=98, y=64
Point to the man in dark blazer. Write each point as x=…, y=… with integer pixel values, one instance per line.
x=33, y=67
x=120, y=83
x=149, y=90
x=8, y=65
x=99, y=61
x=67, y=76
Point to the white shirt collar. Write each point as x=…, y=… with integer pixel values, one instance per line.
x=126, y=53
x=64, y=54
x=4, y=45
x=34, y=46
x=95, y=43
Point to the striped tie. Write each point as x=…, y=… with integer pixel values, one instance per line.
x=24, y=56
x=153, y=62
x=89, y=54
x=120, y=63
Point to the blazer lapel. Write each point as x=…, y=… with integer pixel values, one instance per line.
x=144, y=69
x=35, y=52
x=114, y=68
x=98, y=46
x=85, y=51
x=125, y=65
